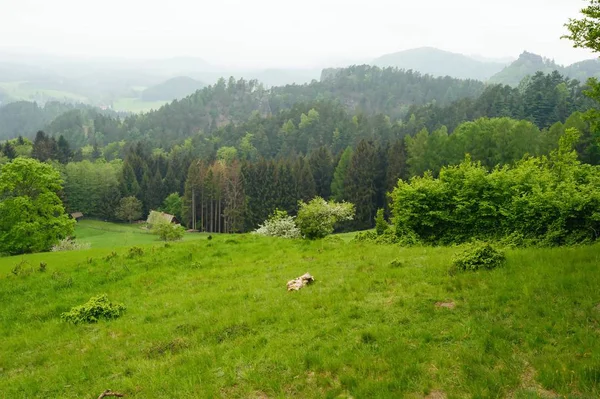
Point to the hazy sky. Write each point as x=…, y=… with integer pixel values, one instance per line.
x=278, y=33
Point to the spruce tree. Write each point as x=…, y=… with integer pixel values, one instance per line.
x=9, y=151
x=286, y=188
x=305, y=183
x=321, y=166
x=64, y=153
x=128, y=184
x=360, y=184
x=339, y=175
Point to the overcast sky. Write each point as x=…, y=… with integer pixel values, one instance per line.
x=287, y=33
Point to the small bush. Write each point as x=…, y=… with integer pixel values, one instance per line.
x=279, y=224
x=134, y=252
x=69, y=244
x=168, y=231
x=365, y=236
x=388, y=237
x=381, y=226
x=479, y=255
x=21, y=269
x=95, y=309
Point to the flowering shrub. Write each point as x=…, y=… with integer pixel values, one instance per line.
x=318, y=218
x=69, y=244
x=280, y=224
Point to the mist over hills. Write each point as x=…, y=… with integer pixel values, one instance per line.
x=132, y=85
x=528, y=64
x=428, y=60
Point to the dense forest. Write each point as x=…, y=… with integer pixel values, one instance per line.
x=236, y=151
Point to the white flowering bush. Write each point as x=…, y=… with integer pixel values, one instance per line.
x=69, y=244
x=317, y=219
x=280, y=224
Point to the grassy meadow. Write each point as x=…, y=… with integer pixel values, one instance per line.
x=212, y=318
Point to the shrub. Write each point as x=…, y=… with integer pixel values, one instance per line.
x=279, y=224
x=168, y=231
x=381, y=225
x=96, y=308
x=69, y=244
x=368, y=236
x=317, y=219
x=478, y=255
x=543, y=200
x=134, y=252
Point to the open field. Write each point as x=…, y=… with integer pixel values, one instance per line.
x=114, y=235
x=212, y=318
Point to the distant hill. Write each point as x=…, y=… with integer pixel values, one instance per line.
x=528, y=64
x=172, y=89
x=428, y=60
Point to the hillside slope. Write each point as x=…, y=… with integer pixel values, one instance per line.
x=172, y=89
x=213, y=319
x=528, y=64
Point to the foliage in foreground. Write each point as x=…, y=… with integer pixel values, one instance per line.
x=318, y=218
x=213, y=319
x=544, y=201
x=478, y=255
x=32, y=216
x=98, y=307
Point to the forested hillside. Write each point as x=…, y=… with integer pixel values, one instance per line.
x=172, y=89
x=358, y=89
x=529, y=64
x=24, y=118
x=239, y=151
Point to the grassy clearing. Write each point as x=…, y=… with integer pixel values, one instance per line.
x=212, y=318
x=115, y=235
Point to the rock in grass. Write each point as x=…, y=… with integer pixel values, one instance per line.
x=297, y=283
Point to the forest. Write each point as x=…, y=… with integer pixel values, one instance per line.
x=237, y=152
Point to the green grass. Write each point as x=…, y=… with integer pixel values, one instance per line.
x=212, y=318
x=115, y=235
x=136, y=105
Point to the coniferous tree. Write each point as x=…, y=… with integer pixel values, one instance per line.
x=339, y=176
x=360, y=184
x=128, y=184
x=321, y=166
x=9, y=151
x=171, y=182
x=306, y=188
x=64, y=153
x=396, y=168
x=109, y=202
x=44, y=147
x=286, y=188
